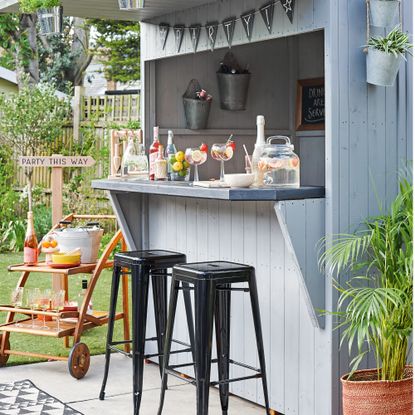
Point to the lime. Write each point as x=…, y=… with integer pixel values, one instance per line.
x=186, y=165
x=178, y=166
x=182, y=173
x=172, y=160
x=179, y=156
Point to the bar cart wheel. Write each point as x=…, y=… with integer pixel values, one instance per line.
x=4, y=357
x=79, y=360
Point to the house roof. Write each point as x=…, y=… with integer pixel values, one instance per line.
x=8, y=75
x=108, y=9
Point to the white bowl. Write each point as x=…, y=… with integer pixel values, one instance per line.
x=239, y=180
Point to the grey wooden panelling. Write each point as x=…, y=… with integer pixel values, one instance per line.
x=239, y=231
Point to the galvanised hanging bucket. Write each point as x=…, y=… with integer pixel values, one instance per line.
x=382, y=67
x=51, y=20
x=233, y=91
x=382, y=12
x=196, y=112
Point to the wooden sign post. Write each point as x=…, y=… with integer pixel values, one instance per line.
x=58, y=163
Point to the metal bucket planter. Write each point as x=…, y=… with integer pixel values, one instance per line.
x=51, y=20
x=233, y=91
x=364, y=395
x=382, y=67
x=196, y=112
x=383, y=12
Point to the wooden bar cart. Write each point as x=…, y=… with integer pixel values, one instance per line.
x=67, y=323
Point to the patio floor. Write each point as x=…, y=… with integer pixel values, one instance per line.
x=82, y=395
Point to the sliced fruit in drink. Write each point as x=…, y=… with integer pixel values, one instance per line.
x=197, y=156
x=204, y=148
x=229, y=152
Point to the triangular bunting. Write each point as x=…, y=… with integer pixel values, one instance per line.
x=164, y=30
x=229, y=29
x=212, y=31
x=267, y=13
x=288, y=6
x=194, y=31
x=178, y=35
x=248, y=19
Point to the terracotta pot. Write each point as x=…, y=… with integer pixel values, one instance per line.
x=364, y=395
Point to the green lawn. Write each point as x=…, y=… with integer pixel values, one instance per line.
x=95, y=338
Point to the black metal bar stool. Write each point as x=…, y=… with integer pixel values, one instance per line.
x=213, y=285
x=142, y=265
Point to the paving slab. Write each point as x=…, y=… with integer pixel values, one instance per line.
x=53, y=378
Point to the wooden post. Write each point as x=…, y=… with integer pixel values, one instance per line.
x=77, y=113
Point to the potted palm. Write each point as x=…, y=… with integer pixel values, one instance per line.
x=49, y=13
x=375, y=308
x=382, y=12
x=385, y=54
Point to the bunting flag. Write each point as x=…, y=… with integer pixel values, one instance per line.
x=212, y=31
x=229, y=28
x=267, y=13
x=164, y=30
x=248, y=19
x=195, y=35
x=288, y=6
x=178, y=35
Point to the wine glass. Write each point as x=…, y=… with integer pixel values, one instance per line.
x=58, y=303
x=222, y=152
x=17, y=299
x=195, y=157
x=33, y=298
x=44, y=301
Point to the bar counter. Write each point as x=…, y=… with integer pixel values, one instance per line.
x=188, y=190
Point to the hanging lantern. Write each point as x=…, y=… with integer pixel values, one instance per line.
x=131, y=4
x=50, y=20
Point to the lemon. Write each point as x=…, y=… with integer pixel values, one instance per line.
x=197, y=156
x=178, y=166
x=179, y=156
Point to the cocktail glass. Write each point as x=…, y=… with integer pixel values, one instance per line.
x=222, y=152
x=17, y=300
x=58, y=303
x=195, y=157
x=33, y=299
x=45, y=301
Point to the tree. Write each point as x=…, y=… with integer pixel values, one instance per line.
x=117, y=46
x=30, y=121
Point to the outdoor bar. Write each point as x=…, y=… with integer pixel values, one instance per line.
x=284, y=138
x=360, y=148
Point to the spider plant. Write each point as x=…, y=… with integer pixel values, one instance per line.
x=375, y=306
x=395, y=42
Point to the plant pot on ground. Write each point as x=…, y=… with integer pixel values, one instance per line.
x=383, y=12
x=375, y=308
x=385, y=55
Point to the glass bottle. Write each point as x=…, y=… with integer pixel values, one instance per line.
x=160, y=166
x=154, y=148
x=81, y=296
x=31, y=252
x=170, y=152
x=259, y=147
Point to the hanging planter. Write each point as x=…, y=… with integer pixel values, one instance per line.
x=196, y=103
x=384, y=57
x=382, y=12
x=49, y=13
x=233, y=83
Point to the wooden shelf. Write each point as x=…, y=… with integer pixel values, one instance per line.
x=43, y=268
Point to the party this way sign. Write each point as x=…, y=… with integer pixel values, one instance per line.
x=56, y=161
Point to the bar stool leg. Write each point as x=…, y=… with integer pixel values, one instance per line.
x=175, y=285
x=160, y=311
x=116, y=274
x=140, y=283
x=205, y=298
x=258, y=332
x=189, y=316
x=223, y=338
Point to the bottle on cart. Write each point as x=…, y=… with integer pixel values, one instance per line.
x=31, y=251
x=160, y=165
x=81, y=296
x=259, y=146
x=170, y=152
x=154, y=148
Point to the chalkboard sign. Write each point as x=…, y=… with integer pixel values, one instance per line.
x=310, y=104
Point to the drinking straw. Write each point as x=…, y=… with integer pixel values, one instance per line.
x=246, y=152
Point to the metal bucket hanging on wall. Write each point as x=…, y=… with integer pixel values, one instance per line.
x=383, y=12
x=233, y=90
x=51, y=20
x=196, y=111
x=382, y=67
